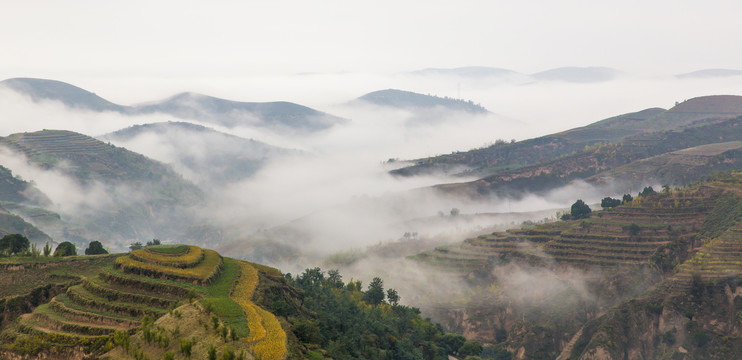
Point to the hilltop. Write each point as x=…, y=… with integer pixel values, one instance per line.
x=280, y=114
x=654, y=277
x=208, y=156
x=70, y=95
x=410, y=100
x=182, y=302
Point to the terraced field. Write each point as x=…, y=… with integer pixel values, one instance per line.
x=147, y=284
x=624, y=236
x=115, y=299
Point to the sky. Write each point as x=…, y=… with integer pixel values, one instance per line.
x=135, y=50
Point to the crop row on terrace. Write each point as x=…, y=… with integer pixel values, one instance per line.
x=627, y=235
x=192, y=257
x=203, y=273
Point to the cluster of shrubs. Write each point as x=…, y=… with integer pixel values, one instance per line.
x=19, y=245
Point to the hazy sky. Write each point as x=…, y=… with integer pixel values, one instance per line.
x=79, y=40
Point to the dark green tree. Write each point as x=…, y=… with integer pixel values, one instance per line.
x=580, y=210
x=452, y=342
x=470, y=348
x=375, y=292
x=95, y=248
x=647, y=191
x=627, y=198
x=609, y=202
x=136, y=246
x=65, y=249
x=14, y=244
x=392, y=296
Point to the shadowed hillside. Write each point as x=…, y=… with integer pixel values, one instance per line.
x=203, y=154
x=503, y=157
x=139, y=198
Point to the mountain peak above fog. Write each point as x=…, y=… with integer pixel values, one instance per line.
x=408, y=99
x=70, y=95
x=710, y=73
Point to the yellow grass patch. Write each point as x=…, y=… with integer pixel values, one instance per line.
x=203, y=272
x=266, y=335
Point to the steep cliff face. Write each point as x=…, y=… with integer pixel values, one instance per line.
x=700, y=320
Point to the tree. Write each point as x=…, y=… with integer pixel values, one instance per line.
x=392, y=296
x=470, y=348
x=136, y=246
x=65, y=249
x=627, y=198
x=14, y=244
x=95, y=248
x=609, y=202
x=47, y=249
x=154, y=242
x=580, y=210
x=375, y=292
x=452, y=342
x=455, y=212
x=647, y=191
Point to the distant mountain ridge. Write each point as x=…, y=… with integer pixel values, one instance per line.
x=278, y=115
x=572, y=74
x=710, y=73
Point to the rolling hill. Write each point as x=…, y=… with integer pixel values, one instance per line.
x=280, y=116
x=627, y=129
x=204, y=155
x=70, y=95
x=124, y=194
x=410, y=100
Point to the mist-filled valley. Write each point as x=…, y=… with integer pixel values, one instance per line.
x=458, y=187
